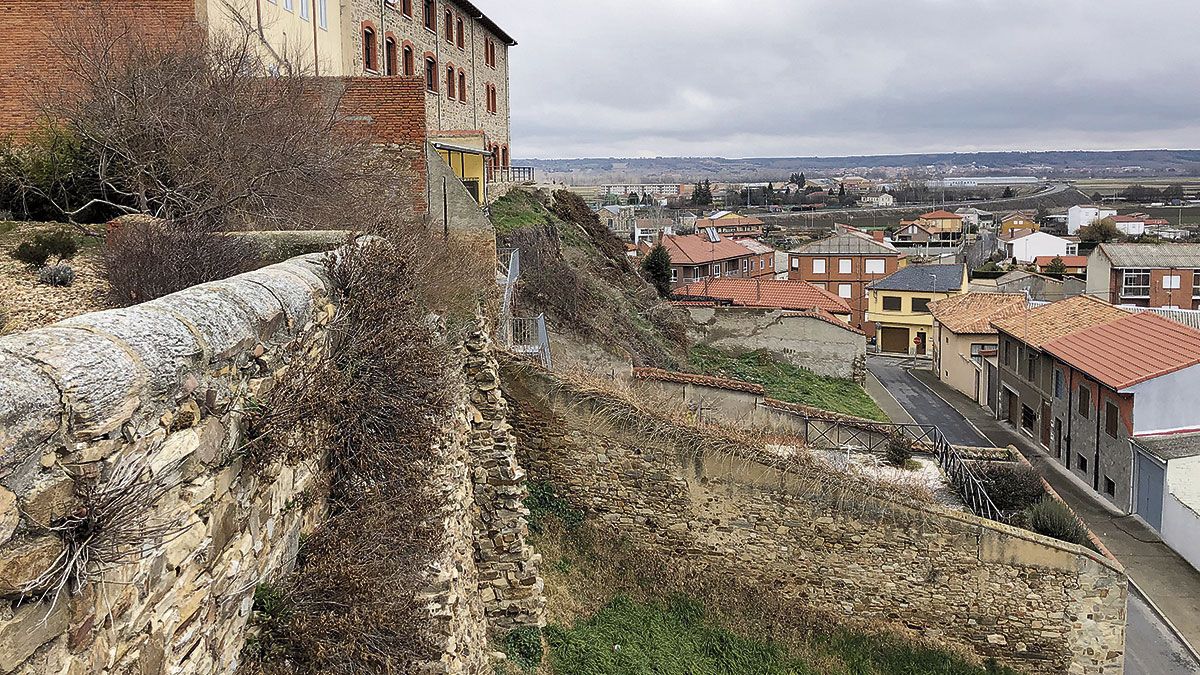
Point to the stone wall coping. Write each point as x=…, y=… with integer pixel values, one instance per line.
x=84, y=378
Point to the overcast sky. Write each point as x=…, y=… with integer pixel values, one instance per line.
x=771, y=78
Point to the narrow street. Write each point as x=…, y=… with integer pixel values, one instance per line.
x=1152, y=648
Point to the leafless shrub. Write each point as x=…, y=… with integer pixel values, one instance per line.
x=115, y=525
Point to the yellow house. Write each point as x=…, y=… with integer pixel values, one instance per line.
x=899, y=305
x=1019, y=220
x=941, y=222
x=963, y=337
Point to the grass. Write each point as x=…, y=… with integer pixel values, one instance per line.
x=519, y=209
x=789, y=383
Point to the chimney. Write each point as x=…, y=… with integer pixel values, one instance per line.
x=878, y=235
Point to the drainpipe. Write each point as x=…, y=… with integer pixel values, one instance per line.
x=258, y=13
x=1070, y=414
x=316, y=49
x=1096, y=468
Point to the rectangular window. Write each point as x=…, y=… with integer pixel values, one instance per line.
x=1110, y=487
x=289, y=5
x=796, y=264
x=1196, y=284
x=304, y=10
x=674, y=275
x=977, y=350
x=1171, y=282
x=323, y=14
x=1085, y=401
x=762, y=264
x=745, y=265
x=1006, y=348
x=1135, y=284
x=1028, y=418
x=920, y=305
x=892, y=303
x=1060, y=384
x=406, y=8
x=818, y=266
x=1031, y=364
x=845, y=291
x=716, y=270
x=431, y=75
x=1112, y=419
x=1081, y=463
x=845, y=266
x=876, y=267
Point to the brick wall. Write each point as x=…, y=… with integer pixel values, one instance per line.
x=832, y=278
x=30, y=61
x=1031, y=602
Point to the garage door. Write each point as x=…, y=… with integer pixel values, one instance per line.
x=893, y=340
x=1151, y=478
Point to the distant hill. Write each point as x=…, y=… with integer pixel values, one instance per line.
x=1059, y=164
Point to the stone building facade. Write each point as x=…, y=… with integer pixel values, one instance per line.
x=1030, y=602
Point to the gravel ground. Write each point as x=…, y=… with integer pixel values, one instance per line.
x=29, y=304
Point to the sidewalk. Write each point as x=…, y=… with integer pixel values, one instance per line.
x=1163, y=576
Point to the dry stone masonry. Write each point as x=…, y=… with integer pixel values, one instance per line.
x=1037, y=604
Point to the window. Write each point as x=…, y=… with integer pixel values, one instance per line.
x=745, y=265
x=323, y=14
x=1112, y=419
x=489, y=52
x=410, y=65
x=1028, y=418
x=796, y=264
x=876, y=267
x=1085, y=401
x=451, y=81
x=369, y=54
x=674, y=275
x=920, y=305
x=289, y=5
x=1031, y=364
x=389, y=55
x=1171, y=282
x=892, y=303
x=461, y=38
x=431, y=15
x=818, y=266
x=1007, y=349
x=431, y=77
x=1196, y=284
x=1110, y=487
x=1136, y=284
x=977, y=350
x=305, y=10
x=762, y=265
x=462, y=86
x=845, y=266
x=449, y=26
x=1081, y=463
x=821, y=285
x=1060, y=384
x=406, y=8
x=716, y=270
x=845, y=291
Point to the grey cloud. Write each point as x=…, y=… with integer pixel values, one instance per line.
x=803, y=77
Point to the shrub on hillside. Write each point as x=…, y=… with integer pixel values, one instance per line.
x=57, y=275
x=50, y=176
x=1011, y=486
x=571, y=208
x=899, y=450
x=1054, y=519
x=38, y=251
x=657, y=268
x=30, y=254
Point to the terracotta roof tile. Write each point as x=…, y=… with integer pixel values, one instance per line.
x=1130, y=350
x=1068, y=260
x=827, y=318
x=658, y=375
x=941, y=215
x=972, y=313
x=769, y=293
x=697, y=249
x=1042, y=325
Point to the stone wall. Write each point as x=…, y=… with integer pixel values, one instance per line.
x=1034, y=603
x=803, y=341
x=160, y=392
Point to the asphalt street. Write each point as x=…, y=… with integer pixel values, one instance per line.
x=1151, y=647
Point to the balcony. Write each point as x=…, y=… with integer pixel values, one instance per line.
x=513, y=174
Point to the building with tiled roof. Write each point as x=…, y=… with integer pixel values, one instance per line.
x=1074, y=264
x=798, y=296
x=899, y=305
x=1041, y=325
x=1112, y=384
x=695, y=257
x=963, y=334
x=729, y=224
x=1146, y=275
x=845, y=264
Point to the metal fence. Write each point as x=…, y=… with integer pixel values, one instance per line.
x=530, y=338
x=875, y=437
x=513, y=174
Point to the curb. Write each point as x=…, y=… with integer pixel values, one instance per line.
x=950, y=405
x=1187, y=646
x=891, y=396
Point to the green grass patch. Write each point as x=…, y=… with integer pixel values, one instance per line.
x=788, y=383
x=676, y=636
x=519, y=209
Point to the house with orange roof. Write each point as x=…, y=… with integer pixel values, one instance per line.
x=963, y=334
x=1026, y=386
x=1121, y=384
x=936, y=228
x=695, y=257
x=730, y=224
x=1073, y=264
x=793, y=296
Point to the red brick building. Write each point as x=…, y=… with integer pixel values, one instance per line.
x=794, y=296
x=1146, y=275
x=845, y=264
x=695, y=257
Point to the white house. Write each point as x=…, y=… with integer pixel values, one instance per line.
x=879, y=200
x=1133, y=225
x=1079, y=217
x=1033, y=246
x=977, y=218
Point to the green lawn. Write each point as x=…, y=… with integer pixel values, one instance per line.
x=676, y=637
x=788, y=383
x=519, y=209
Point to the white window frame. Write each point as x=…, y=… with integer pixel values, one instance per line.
x=762, y=264
x=289, y=5
x=845, y=266
x=305, y=10
x=796, y=264
x=1172, y=282
x=1137, y=274
x=845, y=291
x=876, y=266
x=323, y=14
x=716, y=270
x=820, y=265
x=746, y=265
x=674, y=275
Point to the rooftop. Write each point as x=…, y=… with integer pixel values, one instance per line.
x=488, y=23
x=924, y=278
x=941, y=215
x=799, y=296
x=1045, y=324
x=698, y=250
x=1171, y=446
x=847, y=243
x=1131, y=350
x=1068, y=260
x=1157, y=256
x=972, y=313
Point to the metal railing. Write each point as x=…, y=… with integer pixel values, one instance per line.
x=874, y=437
x=530, y=338
x=513, y=174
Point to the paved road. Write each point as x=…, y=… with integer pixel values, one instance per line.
x=1047, y=191
x=1152, y=649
